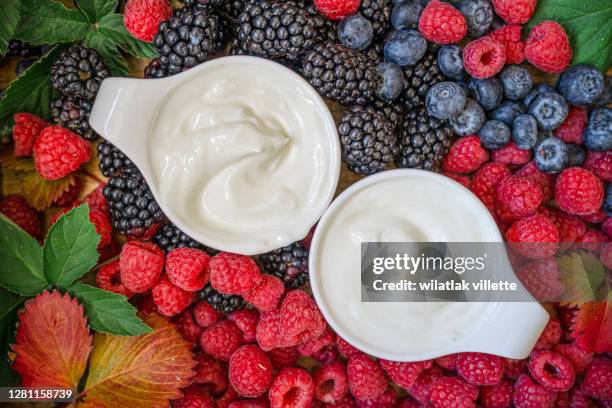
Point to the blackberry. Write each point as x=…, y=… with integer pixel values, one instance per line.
x=424, y=140
x=339, y=73
x=326, y=30
x=289, y=263
x=169, y=237
x=378, y=12
x=376, y=52
x=73, y=114
x=112, y=161
x=419, y=78
x=156, y=70
x=188, y=38
x=392, y=111
x=368, y=139
x=275, y=30
x=18, y=48
x=78, y=72
x=219, y=301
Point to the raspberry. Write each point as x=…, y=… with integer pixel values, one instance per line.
x=70, y=196
x=189, y=329
x=552, y=370
x=597, y=382
x=606, y=226
x=497, y=396
x=228, y=397
x=170, y=300
x=408, y=402
x=451, y=392
x=579, y=358
x=26, y=130
x=528, y=394
x=449, y=362
x=534, y=237
x=187, y=268
x=517, y=197
x=300, y=316
x=573, y=126
x=465, y=181
x=221, y=339
x=233, y=274
x=514, y=368
x=570, y=227
x=592, y=240
x=484, y=184
x=548, y=48
x=545, y=181
x=336, y=9
x=479, y=368
x=266, y=294
x=315, y=344
x=515, y=11
x=387, y=399
x=331, y=383
x=283, y=357
x=422, y=386
x=542, y=279
x=96, y=200
x=600, y=164
x=205, y=315
x=550, y=336
x=141, y=265
x=142, y=17
x=292, y=387
x=465, y=155
x=442, y=23
x=347, y=402
x=59, y=152
x=194, y=397
x=594, y=218
x=579, y=191
x=365, y=377
x=270, y=334
x=577, y=399
x=250, y=371
x=107, y=278
x=246, y=320
x=211, y=373
x=510, y=37
x=484, y=57
x=404, y=374
x=15, y=208
x=511, y=155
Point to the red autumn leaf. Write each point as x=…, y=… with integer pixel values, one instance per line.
x=592, y=326
x=52, y=342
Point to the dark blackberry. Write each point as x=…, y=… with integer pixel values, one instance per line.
x=73, y=114
x=326, y=30
x=188, y=38
x=375, y=52
x=339, y=73
x=378, y=12
x=419, y=78
x=169, y=237
x=112, y=160
x=368, y=139
x=18, y=48
x=78, y=72
x=289, y=263
x=392, y=111
x=221, y=302
x=423, y=141
x=155, y=70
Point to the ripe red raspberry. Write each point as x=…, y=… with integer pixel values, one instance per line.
x=142, y=17
x=597, y=382
x=451, y=392
x=292, y=387
x=606, y=226
x=529, y=394
x=387, y=399
x=249, y=403
x=313, y=345
x=484, y=57
x=449, y=362
x=211, y=373
x=550, y=336
x=327, y=354
x=497, y=396
x=170, y=300
x=331, y=383
x=464, y=180
x=517, y=197
x=59, y=152
x=246, y=320
x=600, y=163
x=484, y=184
x=548, y=47
x=283, y=357
x=579, y=191
x=515, y=11
x=205, y=315
x=442, y=23
x=266, y=294
x=577, y=399
x=15, y=208
x=479, y=368
x=572, y=128
x=404, y=374
x=594, y=218
x=592, y=240
x=141, y=265
x=552, y=370
x=26, y=130
x=465, y=156
x=510, y=37
x=511, y=155
x=345, y=349
x=422, y=386
x=336, y=9
x=228, y=397
x=545, y=181
x=570, y=227
x=514, y=368
x=250, y=371
x=194, y=397
x=221, y=339
x=542, y=279
x=300, y=316
x=534, y=237
x=270, y=333
x=187, y=326
x=234, y=274
x=96, y=199
x=107, y=278
x=187, y=268
x=69, y=197
x=579, y=358
x=365, y=377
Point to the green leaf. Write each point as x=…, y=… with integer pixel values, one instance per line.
x=9, y=305
x=50, y=22
x=108, y=312
x=112, y=27
x=109, y=52
x=96, y=9
x=582, y=275
x=589, y=25
x=70, y=248
x=9, y=301
x=21, y=265
x=9, y=19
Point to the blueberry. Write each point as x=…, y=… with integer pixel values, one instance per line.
x=581, y=84
x=478, y=15
x=608, y=203
x=494, y=135
x=487, y=92
x=576, y=155
x=551, y=155
x=445, y=100
x=507, y=112
x=469, y=120
x=535, y=91
x=391, y=82
x=406, y=15
x=405, y=47
x=550, y=110
x=606, y=96
x=355, y=32
x=598, y=134
x=525, y=131
x=450, y=61
x=516, y=82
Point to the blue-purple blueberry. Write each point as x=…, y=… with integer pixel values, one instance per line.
x=445, y=100
x=391, y=82
x=487, y=92
x=525, y=131
x=516, y=81
x=507, y=111
x=469, y=120
x=598, y=134
x=581, y=84
x=450, y=61
x=494, y=135
x=478, y=15
x=535, y=91
x=355, y=32
x=405, y=47
x=406, y=14
x=549, y=109
x=551, y=155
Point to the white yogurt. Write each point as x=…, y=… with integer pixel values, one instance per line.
x=246, y=153
x=396, y=206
